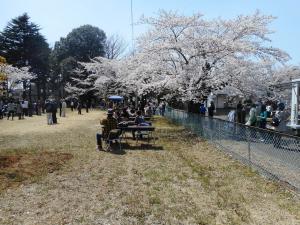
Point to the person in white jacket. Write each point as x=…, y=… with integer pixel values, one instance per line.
x=252, y=116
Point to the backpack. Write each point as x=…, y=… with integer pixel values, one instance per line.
x=275, y=121
x=48, y=107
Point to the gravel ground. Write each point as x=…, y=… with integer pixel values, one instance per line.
x=282, y=163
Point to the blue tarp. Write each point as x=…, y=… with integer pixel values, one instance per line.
x=115, y=98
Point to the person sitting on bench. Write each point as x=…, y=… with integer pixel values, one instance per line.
x=110, y=123
x=139, y=121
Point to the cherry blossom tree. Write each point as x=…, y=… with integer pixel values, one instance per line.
x=199, y=55
x=15, y=76
x=188, y=57
x=98, y=77
x=260, y=80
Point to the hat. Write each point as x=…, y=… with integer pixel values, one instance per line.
x=109, y=111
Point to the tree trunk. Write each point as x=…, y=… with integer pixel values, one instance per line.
x=38, y=90
x=24, y=90
x=44, y=91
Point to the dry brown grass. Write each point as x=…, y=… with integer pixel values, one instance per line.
x=186, y=181
x=17, y=168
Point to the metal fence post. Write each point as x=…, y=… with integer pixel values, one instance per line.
x=249, y=152
x=219, y=134
x=211, y=130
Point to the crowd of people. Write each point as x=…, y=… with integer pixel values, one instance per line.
x=51, y=107
x=261, y=114
x=264, y=115
x=22, y=108
x=19, y=108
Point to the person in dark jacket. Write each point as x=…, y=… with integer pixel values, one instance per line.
x=263, y=117
x=243, y=115
x=202, y=109
x=79, y=106
x=87, y=106
x=125, y=115
x=54, y=111
x=211, y=109
x=19, y=110
x=60, y=106
x=11, y=110
x=1, y=109
x=239, y=109
x=109, y=124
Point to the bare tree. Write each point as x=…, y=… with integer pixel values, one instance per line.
x=115, y=46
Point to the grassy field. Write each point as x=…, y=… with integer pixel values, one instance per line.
x=54, y=175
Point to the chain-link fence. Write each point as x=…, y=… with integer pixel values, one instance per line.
x=273, y=154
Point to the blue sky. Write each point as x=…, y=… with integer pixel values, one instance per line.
x=58, y=17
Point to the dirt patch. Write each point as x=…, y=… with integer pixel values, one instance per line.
x=25, y=167
x=8, y=161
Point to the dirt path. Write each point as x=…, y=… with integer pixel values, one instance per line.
x=186, y=182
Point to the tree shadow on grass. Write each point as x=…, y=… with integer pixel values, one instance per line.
x=115, y=149
x=141, y=146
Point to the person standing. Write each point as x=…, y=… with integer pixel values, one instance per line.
x=263, y=117
x=269, y=110
x=72, y=105
x=22, y=110
x=252, y=116
x=39, y=108
x=87, y=106
x=30, y=109
x=239, y=108
x=202, y=109
x=162, y=108
x=25, y=107
x=79, y=106
x=232, y=125
x=148, y=110
x=231, y=116
x=1, y=108
x=283, y=117
x=19, y=110
x=252, y=121
x=63, y=108
x=60, y=107
x=48, y=107
x=102, y=104
x=11, y=108
x=153, y=108
x=211, y=109
x=54, y=111
x=243, y=114
x=36, y=108
x=42, y=107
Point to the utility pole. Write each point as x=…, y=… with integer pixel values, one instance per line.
x=132, y=43
x=132, y=33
